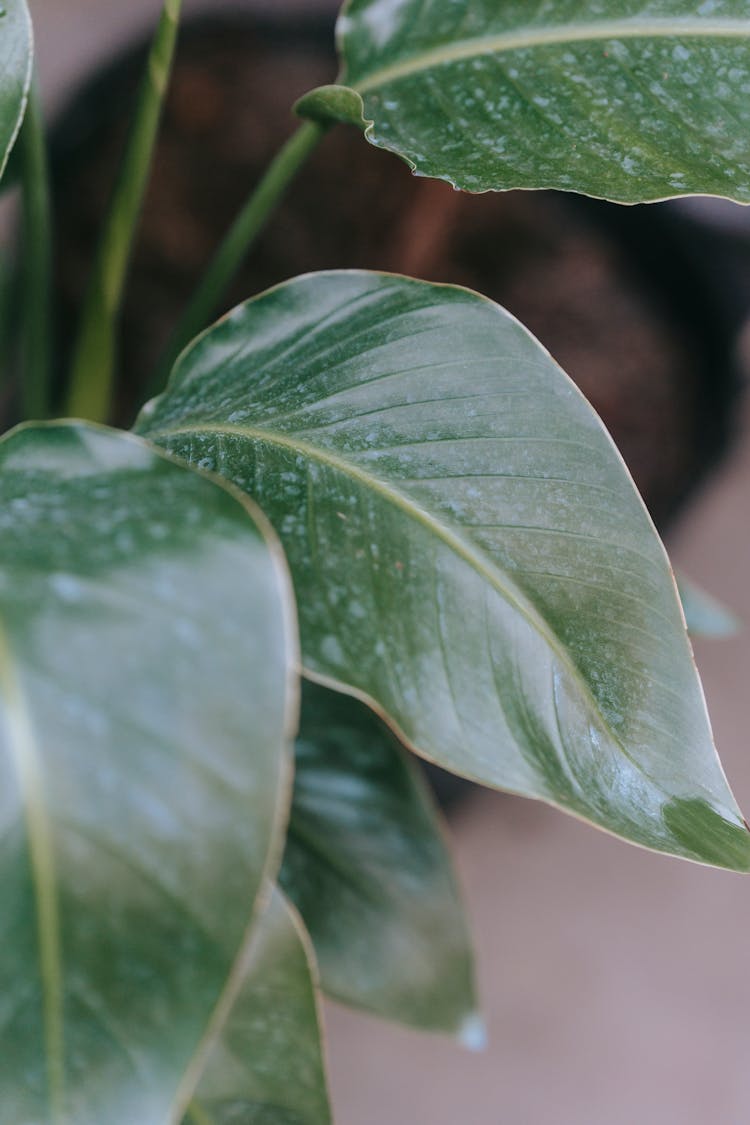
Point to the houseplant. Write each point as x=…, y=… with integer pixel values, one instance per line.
x=467, y=552
x=612, y=292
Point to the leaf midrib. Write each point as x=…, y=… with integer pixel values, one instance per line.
x=469, y=552
x=25, y=757
x=559, y=35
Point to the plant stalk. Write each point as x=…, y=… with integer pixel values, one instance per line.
x=7, y=334
x=237, y=242
x=36, y=300
x=93, y=367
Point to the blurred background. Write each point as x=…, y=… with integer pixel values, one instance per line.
x=615, y=983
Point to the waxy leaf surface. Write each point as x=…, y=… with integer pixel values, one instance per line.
x=15, y=71
x=631, y=100
x=146, y=699
x=468, y=549
x=267, y=1066
x=367, y=867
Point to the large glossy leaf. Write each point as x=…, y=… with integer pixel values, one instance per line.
x=15, y=71
x=632, y=100
x=366, y=865
x=468, y=549
x=145, y=705
x=267, y=1066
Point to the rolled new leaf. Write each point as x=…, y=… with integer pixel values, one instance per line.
x=366, y=865
x=146, y=702
x=267, y=1065
x=631, y=101
x=468, y=549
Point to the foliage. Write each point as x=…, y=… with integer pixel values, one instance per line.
x=442, y=519
x=630, y=101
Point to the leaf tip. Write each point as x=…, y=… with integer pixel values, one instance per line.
x=705, y=616
x=706, y=836
x=472, y=1034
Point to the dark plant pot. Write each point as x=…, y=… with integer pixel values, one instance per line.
x=615, y=293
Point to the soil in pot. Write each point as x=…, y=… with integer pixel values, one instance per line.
x=606, y=289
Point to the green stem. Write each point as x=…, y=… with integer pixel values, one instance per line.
x=7, y=293
x=238, y=240
x=93, y=368
x=36, y=305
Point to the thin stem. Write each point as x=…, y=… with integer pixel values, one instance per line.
x=238, y=240
x=36, y=301
x=93, y=368
x=7, y=335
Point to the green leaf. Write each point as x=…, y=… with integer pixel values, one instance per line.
x=633, y=101
x=146, y=696
x=468, y=549
x=367, y=867
x=705, y=616
x=267, y=1067
x=15, y=71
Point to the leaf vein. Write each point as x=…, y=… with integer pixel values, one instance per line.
x=529, y=38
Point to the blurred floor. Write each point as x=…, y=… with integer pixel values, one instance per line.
x=615, y=984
